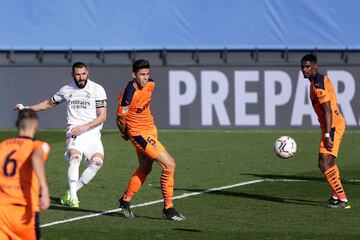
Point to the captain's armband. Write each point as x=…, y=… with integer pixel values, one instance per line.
x=101, y=103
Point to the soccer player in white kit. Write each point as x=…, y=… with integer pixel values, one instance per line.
x=86, y=113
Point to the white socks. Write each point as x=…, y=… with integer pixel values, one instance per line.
x=73, y=174
x=87, y=175
x=75, y=183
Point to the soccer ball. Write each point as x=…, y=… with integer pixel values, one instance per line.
x=285, y=147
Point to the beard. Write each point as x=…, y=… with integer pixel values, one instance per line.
x=79, y=86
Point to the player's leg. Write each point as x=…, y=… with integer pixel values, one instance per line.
x=75, y=157
x=135, y=183
x=139, y=176
x=149, y=145
x=156, y=151
x=330, y=170
x=92, y=149
x=332, y=174
x=94, y=153
x=167, y=164
x=93, y=166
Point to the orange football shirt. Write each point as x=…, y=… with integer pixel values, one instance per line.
x=321, y=91
x=19, y=184
x=134, y=105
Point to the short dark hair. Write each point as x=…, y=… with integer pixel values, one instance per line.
x=24, y=115
x=140, y=64
x=309, y=57
x=78, y=65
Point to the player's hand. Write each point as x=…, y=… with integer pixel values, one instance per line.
x=328, y=144
x=125, y=136
x=44, y=200
x=19, y=107
x=77, y=130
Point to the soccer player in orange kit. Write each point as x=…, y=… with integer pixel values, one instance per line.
x=22, y=174
x=136, y=123
x=332, y=124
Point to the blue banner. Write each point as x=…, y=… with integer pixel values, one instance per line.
x=179, y=24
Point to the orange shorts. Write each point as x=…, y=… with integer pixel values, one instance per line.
x=148, y=144
x=336, y=135
x=18, y=222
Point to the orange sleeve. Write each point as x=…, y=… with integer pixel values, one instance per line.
x=45, y=148
x=322, y=94
x=122, y=110
x=125, y=99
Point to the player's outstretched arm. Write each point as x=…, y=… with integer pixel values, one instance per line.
x=39, y=168
x=41, y=106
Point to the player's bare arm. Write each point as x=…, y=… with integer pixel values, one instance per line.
x=328, y=123
x=121, y=123
x=41, y=106
x=39, y=168
x=101, y=117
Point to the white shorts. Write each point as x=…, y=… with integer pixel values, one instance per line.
x=87, y=143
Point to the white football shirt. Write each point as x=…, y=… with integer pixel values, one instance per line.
x=81, y=102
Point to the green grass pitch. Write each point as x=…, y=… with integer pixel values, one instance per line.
x=205, y=160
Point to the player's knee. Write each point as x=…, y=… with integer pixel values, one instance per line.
x=321, y=166
x=75, y=159
x=324, y=165
x=145, y=170
x=97, y=162
x=325, y=162
x=331, y=162
x=170, y=163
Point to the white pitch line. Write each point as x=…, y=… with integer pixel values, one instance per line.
x=285, y=180
x=355, y=180
x=185, y=195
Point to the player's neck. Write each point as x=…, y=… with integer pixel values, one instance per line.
x=136, y=86
x=312, y=77
x=26, y=133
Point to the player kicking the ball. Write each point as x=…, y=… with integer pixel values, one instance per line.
x=86, y=113
x=332, y=124
x=136, y=123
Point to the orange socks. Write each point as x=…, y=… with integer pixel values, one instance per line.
x=135, y=184
x=332, y=176
x=166, y=182
x=167, y=186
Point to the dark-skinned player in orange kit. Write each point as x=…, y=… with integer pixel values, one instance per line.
x=332, y=124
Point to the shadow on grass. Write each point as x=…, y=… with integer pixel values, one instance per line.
x=259, y=197
x=56, y=205
x=291, y=177
x=55, y=200
x=187, y=230
x=298, y=177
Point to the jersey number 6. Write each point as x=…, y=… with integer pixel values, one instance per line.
x=10, y=162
